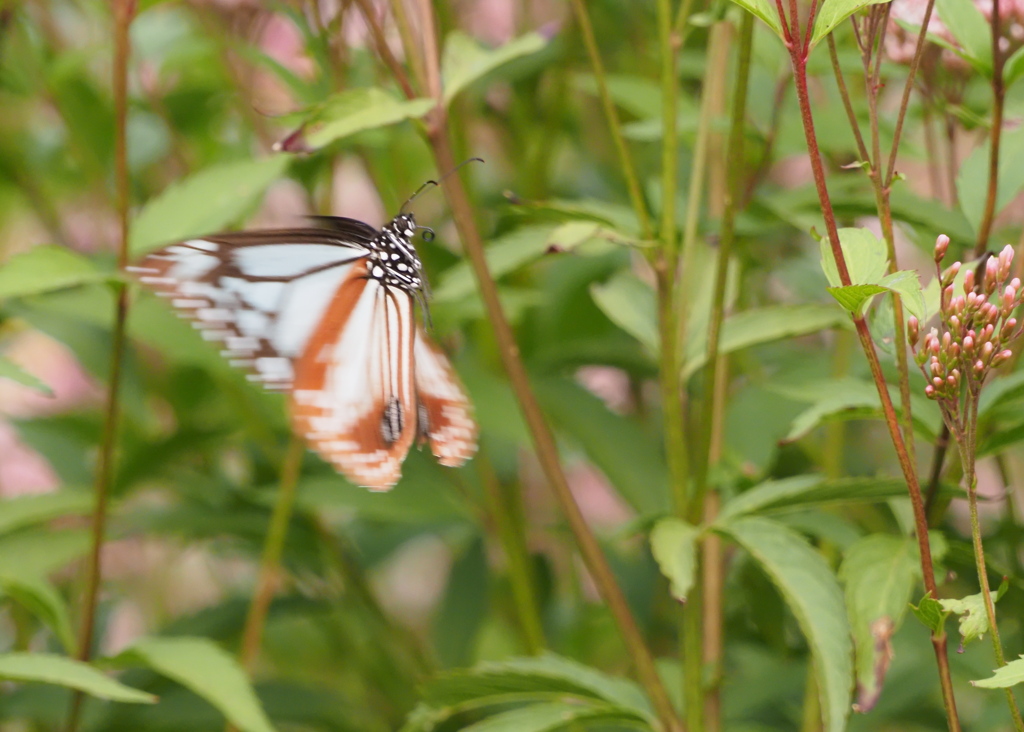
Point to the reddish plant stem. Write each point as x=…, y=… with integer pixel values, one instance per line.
x=798, y=57
x=998, y=99
x=543, y=440
x=123, y=13
x=901, y=115
x=593, y=557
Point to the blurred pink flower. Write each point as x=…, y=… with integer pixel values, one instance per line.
x=901, y=43
x=21, y=469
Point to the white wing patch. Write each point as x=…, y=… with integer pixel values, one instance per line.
x=261, y=325
x=291, y=260
x=353, y=399
x=446, y=413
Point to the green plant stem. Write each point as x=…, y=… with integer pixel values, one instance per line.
x=669, y=139
x=413, y=56
x=967, y=442
x=714, y=78
x=714, y=387
x=270, y=572
x=998, y=99
x=667, y=270
x=380, y=43
x=736, y=166
x=612, y=118
x=798, y=57
x=503, y=507
x=123, y=12
x=543, y=440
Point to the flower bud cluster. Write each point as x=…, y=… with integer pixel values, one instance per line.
x=976, y=327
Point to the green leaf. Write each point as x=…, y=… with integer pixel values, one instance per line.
x=930, y=613
x=49, y=669
x=812, y=592
x=14, y=372
x=465, y=61
x=545, y=678
x=805, y=491
x=39, y=552
x=358, y=110
x=834, y=12
x=971, y=609
x=763, y=325
x=846, y=397
x=39, y=597
x=1009, y=675
x=630, y=304
x=907, y=284
x=45, y=269
x=463, y=608
x=552, y=716
x=878, y=572
x=515, y=250
x=972, y=180
x=854, y=298
x=865, y=255
x=1013, y=69
x=22, y=511
x=674, y=546
x=206, y=669
x=504, y=254
x=971, y=31
x=205, y=202
x=765, y=11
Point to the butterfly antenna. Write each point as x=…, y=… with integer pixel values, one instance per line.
x=421, y=298
x=439, y=181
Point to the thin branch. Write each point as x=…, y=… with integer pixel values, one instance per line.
x=123, y=12
x=612, y=118
x=901, y=115
x=269, y=578
x=541, y=436
x=998, y=100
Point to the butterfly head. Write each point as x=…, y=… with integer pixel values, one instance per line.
x=393, y=260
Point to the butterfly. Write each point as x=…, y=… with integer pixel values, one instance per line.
x=326, y=314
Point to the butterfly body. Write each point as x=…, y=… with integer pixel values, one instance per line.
x=327, y=314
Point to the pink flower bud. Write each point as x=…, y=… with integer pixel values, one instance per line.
x=1002, y=357
x=987, y=331
x=978, y=367
x=991, y=274
x=954, y=322
x=938, y=382
x=936, y=368
x=986, y=350
x=1015, y=283
x=951, y=380
x=952, y=272
x=972, y=298
x=969, y=281
x=969, y=344
x=946, y=339
x=954, y=351
x=958, y=304
x=1007, y=330
x=1005, y=259
x=941, y=245
x=913, y=330
x=929, y=391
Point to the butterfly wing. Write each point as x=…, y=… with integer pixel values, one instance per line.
x=445, y=412
x=353, y=398
x=258, y=294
